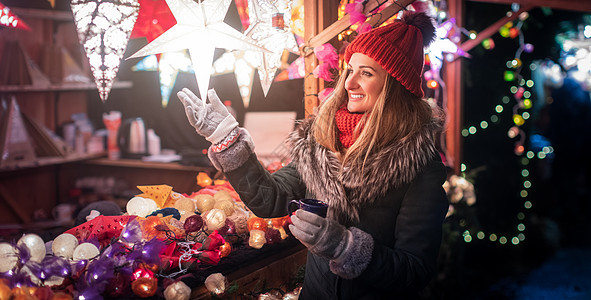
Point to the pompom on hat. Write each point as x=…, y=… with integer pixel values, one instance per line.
x=398, y=48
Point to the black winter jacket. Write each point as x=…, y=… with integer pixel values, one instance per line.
x=395, y=210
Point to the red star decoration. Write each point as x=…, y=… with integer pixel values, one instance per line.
x=11, y=20
x=154, y=18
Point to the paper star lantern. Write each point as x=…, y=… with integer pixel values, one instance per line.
x=243, y=64
x=154, y=19
x=169, y=66
x=103, y=30
x=200, y=28
x=270, y=25
x=11, y=20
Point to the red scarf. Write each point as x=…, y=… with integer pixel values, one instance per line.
x=346, y=122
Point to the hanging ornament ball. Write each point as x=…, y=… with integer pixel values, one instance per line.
x=215, y=219
x=64, y=244
x=204, y=202
x=193, y=223
x=8, y=258
x=140, y=206
x=216, y=283
x=85, y=251
x=144, y=286
x=35, y=245
x=222, y=195
x=177, y=291
x=203, y=179
x=528, y=48
x=257, y=239
x=226, y=205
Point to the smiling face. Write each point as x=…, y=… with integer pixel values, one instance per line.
x=365, y=81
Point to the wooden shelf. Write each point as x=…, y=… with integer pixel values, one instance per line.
x=134, y=163
x=53, y=160
x=60, y=87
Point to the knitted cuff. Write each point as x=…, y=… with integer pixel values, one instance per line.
x=235, y=155
x=356, y=257
x=224, y=128
x=226, y=142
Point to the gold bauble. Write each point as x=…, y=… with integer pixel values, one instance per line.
x=222, y=195
x=204, y=202
x=226, y=205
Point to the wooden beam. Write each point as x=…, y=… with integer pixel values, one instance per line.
x=492, y=29
x=576, y=5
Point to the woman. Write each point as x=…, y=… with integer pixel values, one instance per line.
x=370, y=154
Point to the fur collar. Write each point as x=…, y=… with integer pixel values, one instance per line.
x=348, y=191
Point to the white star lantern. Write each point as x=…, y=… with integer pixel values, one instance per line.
x=243, y=64
x=270, y=25
x=103, y=30
x=200, y=29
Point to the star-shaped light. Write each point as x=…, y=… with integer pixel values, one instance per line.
x=154, y=19
x=169, y=66
x=11, y=20
x=103, y=30
x=200, y=28
x=442, y=44
x=270, y=25
x=243, y=64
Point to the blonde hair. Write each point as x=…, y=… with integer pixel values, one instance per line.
x=396, y=116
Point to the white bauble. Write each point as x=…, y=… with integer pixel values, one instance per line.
x=35, y=244
x=140, y=206
x=177, y=291
x=85, y=251
x=64, y=244
x=215, y=219
x=8, y=257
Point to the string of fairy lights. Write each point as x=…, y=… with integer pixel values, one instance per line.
x=520, y=106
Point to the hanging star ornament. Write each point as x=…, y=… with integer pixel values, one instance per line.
x=243, y=64
x=103, y=29
x=168, y=67
x=9, y=19
x=200, y=28
x=154, y=18
x=270, y=25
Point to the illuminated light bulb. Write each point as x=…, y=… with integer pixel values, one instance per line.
x=519, y=149
x=504, y=32
x=508, y=25
x=177, y=291
x=488, y=44
x=516, y=63
x=64, y=244
x=85, y=251
x=518, y=120
x=432, y=84
x=215, y=219
x=216, y=283
x=257, y=239
x=8, y=257
x=472, y=35
x=513, y=32
x=509, y=76
x=140, y=206
x=528, y=48
x=428, y=75
x=519, y=93
x=35, y=245
x=523, y=16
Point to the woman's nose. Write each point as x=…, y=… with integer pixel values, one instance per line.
x=350, y=82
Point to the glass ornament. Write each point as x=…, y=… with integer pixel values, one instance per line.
x=85, y=251
x=64, y=244
x=8, y=258
x=257, y=239
x=35, y=244
x=140, y=206
x=144, y=287
x=204, y=202
x=226, y=205
x=216, y=283
x=215, y=219
x=177, y=291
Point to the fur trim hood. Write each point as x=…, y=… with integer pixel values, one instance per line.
x=348, y=191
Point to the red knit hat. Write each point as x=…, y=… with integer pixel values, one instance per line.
x=398, y=48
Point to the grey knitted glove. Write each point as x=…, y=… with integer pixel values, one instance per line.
x=211, y=120
x=323, y=237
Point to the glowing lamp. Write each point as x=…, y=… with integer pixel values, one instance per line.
x=216, y=283
x=432, y=84
x=518, y=120
x=509, y=76
x=257, y=239
x=35, y=245
x=8, y=258
x=64, y=244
